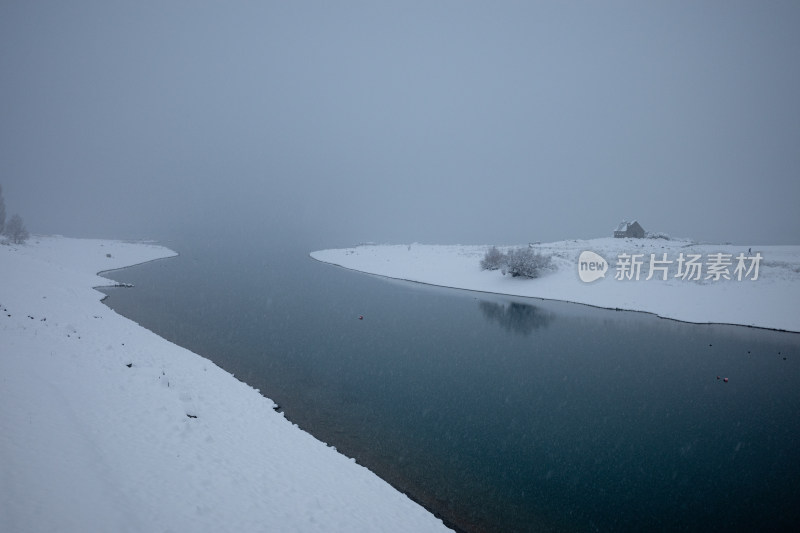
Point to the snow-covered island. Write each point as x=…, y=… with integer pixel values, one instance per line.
x=765, y=293
x=104, y=426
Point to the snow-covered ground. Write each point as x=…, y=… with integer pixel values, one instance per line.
x=104, y=426
x=770, y=301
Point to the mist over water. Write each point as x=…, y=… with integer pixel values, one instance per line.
x=246, y=134
x=446, y=122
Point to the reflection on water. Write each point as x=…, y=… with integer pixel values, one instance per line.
x=564, y=418
x=516, y=317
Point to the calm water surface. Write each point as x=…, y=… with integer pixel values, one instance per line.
x=498, y=414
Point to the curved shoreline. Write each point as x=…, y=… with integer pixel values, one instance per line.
x=426, y=503
x=444, y=255
x=175, y=254
x=554, y=300
x=110, y=426
x=117, y=285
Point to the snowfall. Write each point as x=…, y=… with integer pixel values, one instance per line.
x=104, y=426
x=744, y=285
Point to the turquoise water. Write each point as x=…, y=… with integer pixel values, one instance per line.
x=499, y=414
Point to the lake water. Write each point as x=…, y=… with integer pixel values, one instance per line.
x=498, y=413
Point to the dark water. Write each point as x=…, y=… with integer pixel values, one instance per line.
x=499, y=414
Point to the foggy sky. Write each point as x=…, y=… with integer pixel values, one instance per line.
x=335, y=123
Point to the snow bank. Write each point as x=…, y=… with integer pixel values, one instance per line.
x=105, y=426
x=771, y=301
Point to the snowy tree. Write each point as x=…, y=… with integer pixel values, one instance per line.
x=492, y=260
x=15, y=230
x=2, y=211
x=524, y=262
x=521, y=262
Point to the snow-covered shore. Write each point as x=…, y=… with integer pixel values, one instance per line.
x=770, y=301
x=104, y=426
